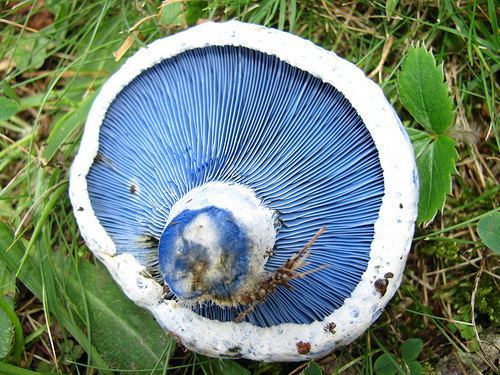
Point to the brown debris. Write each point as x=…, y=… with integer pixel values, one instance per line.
x=303, y=347
x=280, y=277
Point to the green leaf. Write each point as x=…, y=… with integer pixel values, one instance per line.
x=195, y=10
x=384, y=365
x=489, y=231
x=32, y=52
x=8, y=108
x=390, y=6
x=414, y=367
x=7, y=291
x=411, y=349
x=6, y=334
x=9, y=92
x=65, y=126
x=9, y=312
x=7, y=369
x=11, y=254
x=436, y=157
x=216, y=366
x=87, y=298
x=312, y=369
x=420, y=141
x=422, y=91
x=127, y=336
x=172, y=14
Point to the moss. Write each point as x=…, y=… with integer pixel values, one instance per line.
x=444, y=250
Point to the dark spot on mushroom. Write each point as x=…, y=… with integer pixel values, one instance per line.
x=330, y=327
x=381, y=286
x=133, y=188
x=234, y=355
x=401, y=205
x=166, y=289
x=389, y=275
x=303, y=347
x=100, y=158
x=147, y=241
x=80, y=208
x=234, y=349
x=139, y=283
x=269, y=253
x=278, y=221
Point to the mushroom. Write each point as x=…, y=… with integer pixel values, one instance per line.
x=255, y=192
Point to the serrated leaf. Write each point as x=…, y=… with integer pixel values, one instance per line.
x=422, y=90
x=411, y=349
x=312, y=369
x=384, y=365
x=8, y=108
x=488, y=229
x=436, y=157
x=419, y=139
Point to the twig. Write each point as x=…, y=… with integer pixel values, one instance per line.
x=12, y=23
x=383, y=58
x=281, y=277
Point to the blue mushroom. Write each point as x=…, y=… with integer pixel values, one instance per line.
x=255, y=192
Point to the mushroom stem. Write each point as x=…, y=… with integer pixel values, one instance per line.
x=280, y=277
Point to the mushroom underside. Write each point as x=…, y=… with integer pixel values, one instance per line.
x=239, y=116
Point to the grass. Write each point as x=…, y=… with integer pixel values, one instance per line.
x=55, y=55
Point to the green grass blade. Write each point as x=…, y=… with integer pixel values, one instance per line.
x=7, y=369
x=65, y=127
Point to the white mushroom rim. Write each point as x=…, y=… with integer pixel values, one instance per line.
x=393, y=230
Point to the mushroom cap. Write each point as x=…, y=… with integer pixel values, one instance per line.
x=235, y=110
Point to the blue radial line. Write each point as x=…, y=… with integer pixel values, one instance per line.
x=241, y=116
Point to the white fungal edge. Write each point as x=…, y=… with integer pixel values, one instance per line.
x=393, y=229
